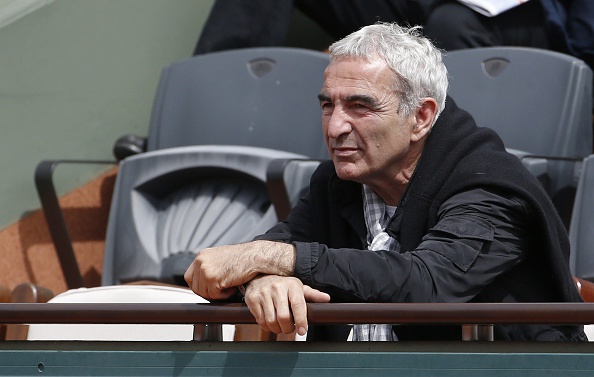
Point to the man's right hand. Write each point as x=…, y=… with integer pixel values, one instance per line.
x=279, y=303
x=216, y=272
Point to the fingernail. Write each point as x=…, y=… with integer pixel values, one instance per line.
x=302, y=331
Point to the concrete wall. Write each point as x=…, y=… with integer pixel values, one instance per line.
x=77, y=74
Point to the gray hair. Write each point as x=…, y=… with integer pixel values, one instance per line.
x=417, y=63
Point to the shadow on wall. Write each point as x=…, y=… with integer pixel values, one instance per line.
x=28, y=254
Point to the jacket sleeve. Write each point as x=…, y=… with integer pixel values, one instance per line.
x=479, y=236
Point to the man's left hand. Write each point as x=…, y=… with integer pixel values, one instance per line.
x=279, y=303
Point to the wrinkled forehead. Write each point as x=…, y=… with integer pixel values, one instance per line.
x=357, y=73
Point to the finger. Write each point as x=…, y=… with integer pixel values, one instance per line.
x=261, y=320
x=257, y=311
x=195, y=280
x=208, y=284
x=227, y=293
x=215, y=293
x=189, y=275
x=313, y=295
x=260, y=303
x=270, y=317
x=299, y=309
x=205, y=288
x=284, y=316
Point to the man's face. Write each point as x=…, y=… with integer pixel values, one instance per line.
x=368, y=140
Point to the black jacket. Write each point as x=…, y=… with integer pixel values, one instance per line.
x=474, y=226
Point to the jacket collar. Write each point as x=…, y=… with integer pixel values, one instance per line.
x=348, y=196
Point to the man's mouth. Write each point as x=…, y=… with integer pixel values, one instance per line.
x=344, y=151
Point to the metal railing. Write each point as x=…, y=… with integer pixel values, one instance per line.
x=477, y=318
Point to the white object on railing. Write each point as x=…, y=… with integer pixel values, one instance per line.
x=123, y=332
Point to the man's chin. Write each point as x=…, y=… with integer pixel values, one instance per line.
x=347, y=171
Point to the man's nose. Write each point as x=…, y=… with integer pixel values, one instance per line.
x=338, y=124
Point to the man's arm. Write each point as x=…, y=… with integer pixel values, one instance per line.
x=216, y=272
x=479, y=237
x=276, y=299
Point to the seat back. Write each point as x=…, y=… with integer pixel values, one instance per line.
x=262, y=97
x=171, y=203
x=581, y=231
x=538, y=101
x=218, y=121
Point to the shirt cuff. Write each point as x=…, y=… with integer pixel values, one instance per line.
x=306, y=259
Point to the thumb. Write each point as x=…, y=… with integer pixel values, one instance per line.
x=313, y=295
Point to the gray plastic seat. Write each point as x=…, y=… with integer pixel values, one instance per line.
x=581, y=231
x=171, y=203
x=538, y=101
x=261, y=97
x=225, y=101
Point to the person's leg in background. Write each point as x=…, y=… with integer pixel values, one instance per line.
x=259, y=23
x=342, y=17
x=239, y=24
x=452, y=25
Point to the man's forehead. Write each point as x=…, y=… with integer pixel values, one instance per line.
x=350, y=78
x=358, y=68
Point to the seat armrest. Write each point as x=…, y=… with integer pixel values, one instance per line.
x=26, y=293
x=585, y=289
x=55, y=220
x=286, y=179
x=537, y=164
x=129, y=145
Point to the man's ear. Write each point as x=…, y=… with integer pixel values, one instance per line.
x=424, y=117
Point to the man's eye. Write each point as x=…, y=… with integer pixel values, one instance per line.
x=360, y=107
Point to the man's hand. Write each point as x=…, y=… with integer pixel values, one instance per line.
x=216, y=272
x=278, y=303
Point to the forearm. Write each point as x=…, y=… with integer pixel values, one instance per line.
x=352, y=275
x=270, y=258
x=216, y=272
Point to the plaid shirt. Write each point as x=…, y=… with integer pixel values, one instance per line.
x=377, y=214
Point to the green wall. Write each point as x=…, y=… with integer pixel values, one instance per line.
x=77, y=74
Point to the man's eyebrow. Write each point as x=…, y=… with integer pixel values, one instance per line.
x=363, y=98
x=322, y=97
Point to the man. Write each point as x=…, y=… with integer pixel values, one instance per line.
x=418, y=204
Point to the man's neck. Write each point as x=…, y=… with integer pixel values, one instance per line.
x=392, y=190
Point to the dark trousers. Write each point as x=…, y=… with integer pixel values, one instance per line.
x=449, y=24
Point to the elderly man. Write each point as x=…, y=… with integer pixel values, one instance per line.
x=417, y=204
